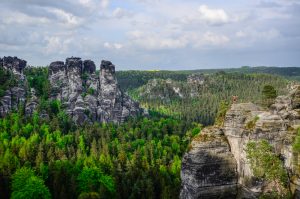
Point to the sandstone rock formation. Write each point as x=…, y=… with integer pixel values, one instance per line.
x=88, y=97
x=195, y=82
x=85, y=96
x=15, y=95
x=209, y=169
x=243, y=122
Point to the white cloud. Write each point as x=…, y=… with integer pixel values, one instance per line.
x=213, y=16
x=65, y=17
x=120, y=13
x=116, y=46
x=156, y=41
x=104, y=3
x=255, y=35
x=215, y=39
x=177, y=40
x=57, y=45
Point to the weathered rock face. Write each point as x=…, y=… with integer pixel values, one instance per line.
x=195, y=81
x=209, y=169
x=86, y=97
x=16, y=95
x=245, y=122
x=32, y=103
x=14, y=64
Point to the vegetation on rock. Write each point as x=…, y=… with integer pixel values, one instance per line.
x=267, y=165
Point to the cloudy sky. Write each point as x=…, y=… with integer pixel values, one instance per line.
x=153, y=34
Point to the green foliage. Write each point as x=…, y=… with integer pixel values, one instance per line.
x=251, y=124
x=223, y=107
x=91, y=91
x=203, y=108
x=268, y=95
x=26, y=185
x=296, y=144
x=37, y=78
x=7, y=80
x=267, y=165
x=138, y=159
x=55, y=106
x=269, y=92
x=92, y=179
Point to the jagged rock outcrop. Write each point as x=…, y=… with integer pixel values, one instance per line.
x=85, y=96
x=88, y=97
x=168, y=89
x=14, y=64
x=244, y=122
x=15, y=95
x=32, y=103
x=195, y=81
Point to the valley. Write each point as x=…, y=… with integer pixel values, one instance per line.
x=69, y=131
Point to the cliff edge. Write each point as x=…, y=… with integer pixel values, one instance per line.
x=222, y=151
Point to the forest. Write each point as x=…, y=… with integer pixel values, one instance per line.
x=200, y=103
x=141, y=158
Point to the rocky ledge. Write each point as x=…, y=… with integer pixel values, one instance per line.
x=216, y=165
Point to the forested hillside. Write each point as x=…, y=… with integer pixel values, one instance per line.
x=194, y=102
x=134, y=79
x=138, y=159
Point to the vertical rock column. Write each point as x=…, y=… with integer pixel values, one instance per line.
x=58, y=80
x=14, y=96
x=107, y=91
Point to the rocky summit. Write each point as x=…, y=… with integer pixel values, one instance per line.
x=216, y=164
x=85, y=96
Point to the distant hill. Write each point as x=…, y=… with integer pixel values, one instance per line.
x=197, y=98
x=134, y=79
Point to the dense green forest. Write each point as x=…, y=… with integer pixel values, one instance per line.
x=141, y=158
x=133, y=79
x=203, y=106
x=138, y=159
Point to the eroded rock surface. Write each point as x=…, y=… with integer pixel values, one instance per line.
x=85, y=96
x=209, y=169
x=243, y=123
x=88, y=97
x=16, y=95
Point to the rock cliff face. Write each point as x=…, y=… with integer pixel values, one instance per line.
x=85, y=96
x=88, y=97
x=209, y=169
x=243, y=122
x=16, y=95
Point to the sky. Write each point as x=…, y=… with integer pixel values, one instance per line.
x=153, y=34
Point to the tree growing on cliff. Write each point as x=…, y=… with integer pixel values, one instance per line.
x=223, y=107
x=268, y=95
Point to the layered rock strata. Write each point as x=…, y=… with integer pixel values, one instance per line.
x=243, y=123
x=209, y=169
